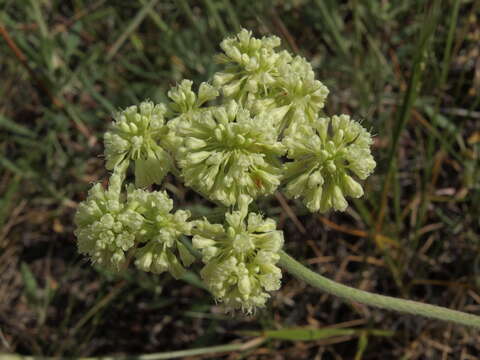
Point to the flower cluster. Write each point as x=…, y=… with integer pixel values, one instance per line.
x=227, y=153
x=160, y=247
x=252, y=65
x=185, y=101
x=107, y=226
x=266, y=80
x=325, y=155
x=298, y=89
x=110, y=224
x=136, y=135
x=240, y=257
x=257, y=128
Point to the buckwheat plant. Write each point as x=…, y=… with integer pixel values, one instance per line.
x=257, y=128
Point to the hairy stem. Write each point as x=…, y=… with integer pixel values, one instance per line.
x=381, y=301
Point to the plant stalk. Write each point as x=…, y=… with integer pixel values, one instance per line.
x=385, y=302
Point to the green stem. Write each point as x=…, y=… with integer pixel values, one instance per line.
x=381, y=301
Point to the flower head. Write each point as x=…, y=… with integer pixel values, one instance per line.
x=240, y=257
x=110, y=224
x=252, y=64
x=160, y=248
x=136, y=135
x=297, y=88
x=227, y=153
x=326, y=155
x=106, y=226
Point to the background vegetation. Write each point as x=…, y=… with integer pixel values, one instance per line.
x=410, y=70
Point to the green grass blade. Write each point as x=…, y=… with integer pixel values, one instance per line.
x=413, y=89
x=362, y=346
x=301, y=334
x=15, y=127
x=158, y=356
x=136, y=21
x=31, y=286
x=436, y=119
x=213, y=12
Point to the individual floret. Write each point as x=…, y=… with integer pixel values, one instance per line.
x=326, y=155
x=227, y=153
x=240, y=258
x=184, y=99
x=137, y=134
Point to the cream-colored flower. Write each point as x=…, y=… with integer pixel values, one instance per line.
x=227, y=153
x=326, y=155
x=137, y=135
x=240, y=258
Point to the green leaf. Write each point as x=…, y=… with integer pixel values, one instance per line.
x=174, y=267
x=149, y=171
x=185, y=255
x=193, y=279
